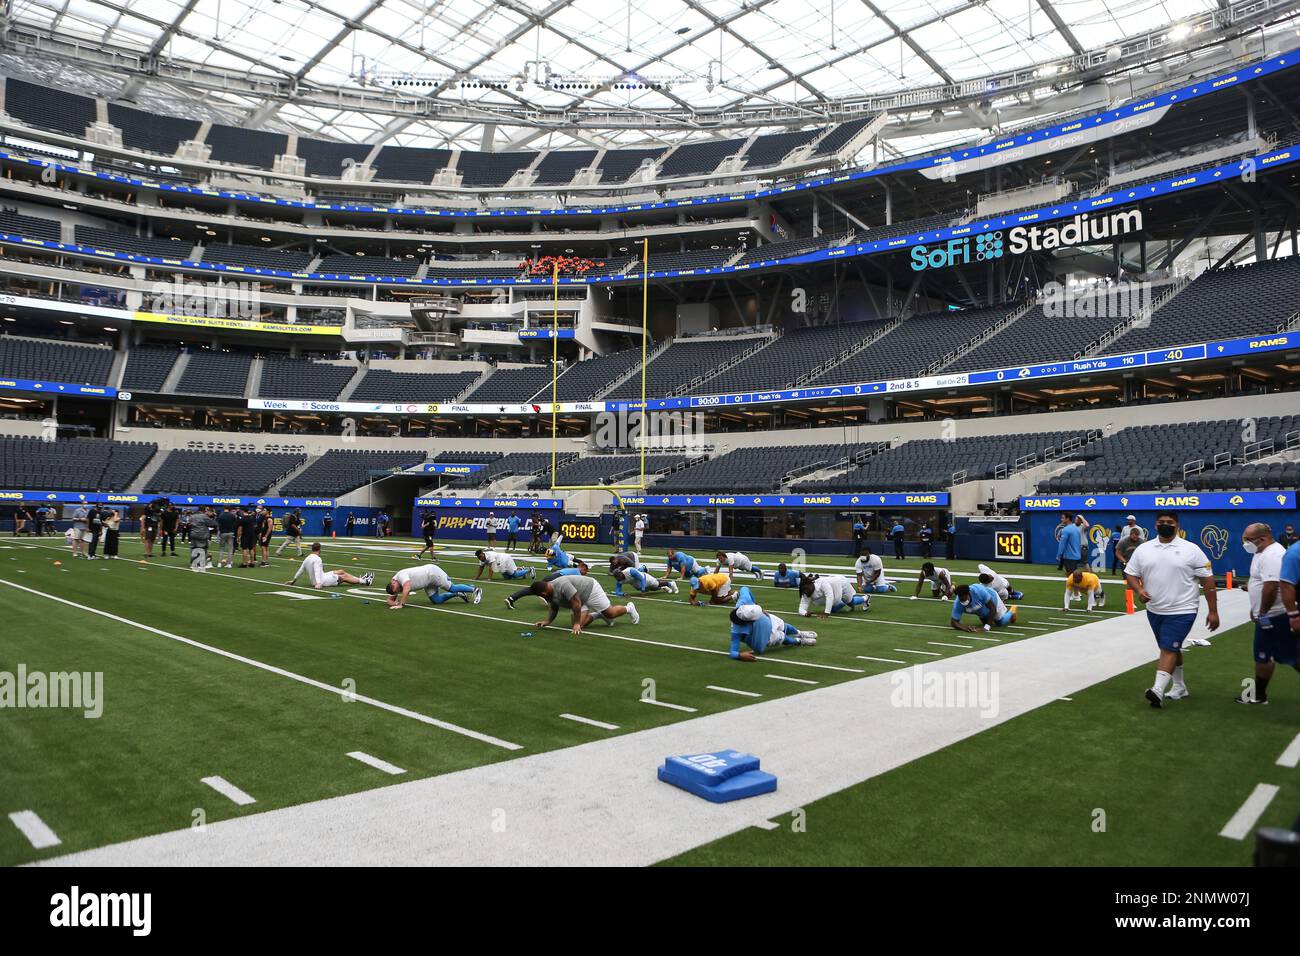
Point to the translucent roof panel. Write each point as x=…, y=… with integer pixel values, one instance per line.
x=566, y=55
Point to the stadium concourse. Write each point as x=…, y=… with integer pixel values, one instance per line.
x=454, y=434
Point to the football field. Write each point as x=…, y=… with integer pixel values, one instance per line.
x=229, y=693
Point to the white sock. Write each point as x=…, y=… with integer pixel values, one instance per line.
x=1162, y=681
x=1178, y=676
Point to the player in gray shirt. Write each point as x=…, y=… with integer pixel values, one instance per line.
x=584, y=596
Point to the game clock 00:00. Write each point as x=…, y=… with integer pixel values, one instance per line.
x=1009, y=546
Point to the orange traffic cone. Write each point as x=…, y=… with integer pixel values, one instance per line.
x=1227, y=580
x=1128, y=601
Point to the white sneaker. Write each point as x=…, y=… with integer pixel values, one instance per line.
x=807, y=638
x=478, y=595
x=672, y=587
x=1177, y=692
x=632, y=613
x=367, y=579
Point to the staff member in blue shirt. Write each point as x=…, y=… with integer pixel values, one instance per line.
x=897, y=532
x=1284, y=643
x=859, y=536
x=1069, y=546
x=512, y=532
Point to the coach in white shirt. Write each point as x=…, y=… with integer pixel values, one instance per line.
x=1164, y=573
x=1274, y=639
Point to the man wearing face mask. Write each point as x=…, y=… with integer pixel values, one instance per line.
x=1275, y=642
x=1163, y=572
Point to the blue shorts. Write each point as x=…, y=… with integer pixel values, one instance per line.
x=1171, y=629
x=1278, y=642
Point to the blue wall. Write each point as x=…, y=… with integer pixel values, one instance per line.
x=1218, y=533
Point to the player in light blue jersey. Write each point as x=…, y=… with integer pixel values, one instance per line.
x=785, y=577
x=758, y=631
x=685, y=565
x=641, y=579
x=557, y=558
x=984, y=603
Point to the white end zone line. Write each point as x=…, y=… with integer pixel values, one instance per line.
x=38, y=833
x=591, y=723
x=375, y=762
x=1243, y=821
x=272, y=669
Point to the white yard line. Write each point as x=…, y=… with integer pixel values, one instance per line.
x=663, y=703
x=272, y=669
x=592, y=723
x=1291, y=756
x=904, y=650
x=731, y=690
x=883, y=660
x=967, y=647
x=375, y=762
x=792, y=680
x=229, y=791
x=1243, y=821
x=38, y=833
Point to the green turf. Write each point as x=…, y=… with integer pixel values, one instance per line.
x=175, y=713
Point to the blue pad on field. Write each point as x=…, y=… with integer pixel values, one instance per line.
x=718, y=777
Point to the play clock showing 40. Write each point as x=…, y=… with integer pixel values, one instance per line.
x=1009, y=546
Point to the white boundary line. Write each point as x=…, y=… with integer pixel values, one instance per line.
x=38, y=833
x=375, y=762
x=229, y=790
x=1243, y=821
x=592, y=723
x=272, y=669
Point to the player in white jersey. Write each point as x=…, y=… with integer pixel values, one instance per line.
x=871, y=573
x=834, y=591
x=314, y=568
x=735, y=561
x=433, y=581
x=502, y=564
x=1000, y=585
x=940, y=579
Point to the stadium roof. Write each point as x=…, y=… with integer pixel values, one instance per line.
x=555, y=73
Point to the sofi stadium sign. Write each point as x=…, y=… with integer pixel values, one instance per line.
x=986, y=246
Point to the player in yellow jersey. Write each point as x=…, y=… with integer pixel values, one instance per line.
x=1082, y=583
x=717, y=586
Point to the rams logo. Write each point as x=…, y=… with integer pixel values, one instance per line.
x=1214, y=540
x=1235, y=500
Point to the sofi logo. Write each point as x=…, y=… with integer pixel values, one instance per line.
x=962, y=251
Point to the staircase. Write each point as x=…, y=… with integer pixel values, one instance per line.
x=146, y=473
x=730, y=363
x=636, y=369
x=831, y=363
x=1162, y=298
x=291, y=474
x=1019, y=312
